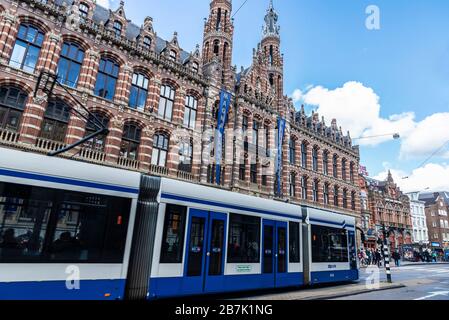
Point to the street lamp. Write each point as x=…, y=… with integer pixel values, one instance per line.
x=395, y=136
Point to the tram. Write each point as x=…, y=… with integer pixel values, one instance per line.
x=71, y=230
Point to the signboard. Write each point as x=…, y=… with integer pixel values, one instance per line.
x=363, y=171
x=244, y=269
x=436, y=244
x=225, y=102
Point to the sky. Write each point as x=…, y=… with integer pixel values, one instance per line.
x=393, y=78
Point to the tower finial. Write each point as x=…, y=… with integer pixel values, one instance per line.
x=271, y=27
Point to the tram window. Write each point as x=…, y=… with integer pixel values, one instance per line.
x=329, y=245
x=173, y=238
x=294, y=243
x=244, y=239
x=88, y=228
x=24, y=216
x=58, y=226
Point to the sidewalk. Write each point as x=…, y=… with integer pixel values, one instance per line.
x=408, y=263
x=326, y=292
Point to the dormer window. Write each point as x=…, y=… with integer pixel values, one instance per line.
x=147, y=43
x=195, y=67
x=173, y=55
x=84, y=11
x=118, y=28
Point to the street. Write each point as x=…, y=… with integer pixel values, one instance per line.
x=423, y=282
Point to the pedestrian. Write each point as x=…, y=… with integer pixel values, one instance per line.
x=397, y=258
x=434, y=257
x=378, y=258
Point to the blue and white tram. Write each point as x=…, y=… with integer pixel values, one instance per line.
x=71, y=230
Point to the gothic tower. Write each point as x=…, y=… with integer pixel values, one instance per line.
x=271, y=42
x=217, y=43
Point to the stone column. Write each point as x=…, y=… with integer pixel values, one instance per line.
x=32, y=119
x=8, y=33
x=89, y=70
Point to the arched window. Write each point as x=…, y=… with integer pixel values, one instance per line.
x=326, y=163
x=12, y=104
x=130, y=142
x=326, y=193
x=70, y=63
x=139, y=91
x=84, y=11
x=315, y=190
x=218, y=24
x=173, y=55
x=304, y=155
x=305, y=188
x=292, y=151
x=336, y=195
x=147, y=43
x=343, y=169
x=166, y=102
x=335, y=166
x=353, y=204
x=99, y=141
x=216, y=47
x=190, y=111
x=56, y=120
x=256, y=126
x=186, y=156
x=315, y=159
x=345, y=198
x=271, y=59
x=117, y=28
x=27, y=48
x=160, y=150
x=351, y=172
x=195, y=67
x=292, y=184
x=107, y=79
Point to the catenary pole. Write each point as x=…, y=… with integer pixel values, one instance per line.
x=386, y=252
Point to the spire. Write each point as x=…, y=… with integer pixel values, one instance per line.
x=271, y=27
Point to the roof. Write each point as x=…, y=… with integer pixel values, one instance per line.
x=101, y=16
x=430, y=198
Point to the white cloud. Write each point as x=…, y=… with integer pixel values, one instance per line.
x=427, y=136
x=105, y=3
x=433, y=177
x=297, y=95
x=357, y=109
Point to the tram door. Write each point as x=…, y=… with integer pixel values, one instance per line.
x=205, y=251
x=275, y=257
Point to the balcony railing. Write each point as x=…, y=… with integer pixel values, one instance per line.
x=8, y=136
x=187, y=176
x=49, y=145
x=158, y=170
x=92, y=155
x=128, y=163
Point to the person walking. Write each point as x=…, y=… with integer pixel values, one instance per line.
x=378, y=258
x=397, y=258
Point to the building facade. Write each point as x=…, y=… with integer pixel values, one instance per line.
x=390, y=213
x=160, y=102
x=419, y=220
x=437, y=209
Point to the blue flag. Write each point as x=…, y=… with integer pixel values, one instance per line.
x=280, y=139
x=225, y=102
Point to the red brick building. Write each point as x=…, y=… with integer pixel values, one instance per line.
x=437, y=212
x=160, y=102
x=389, y=207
